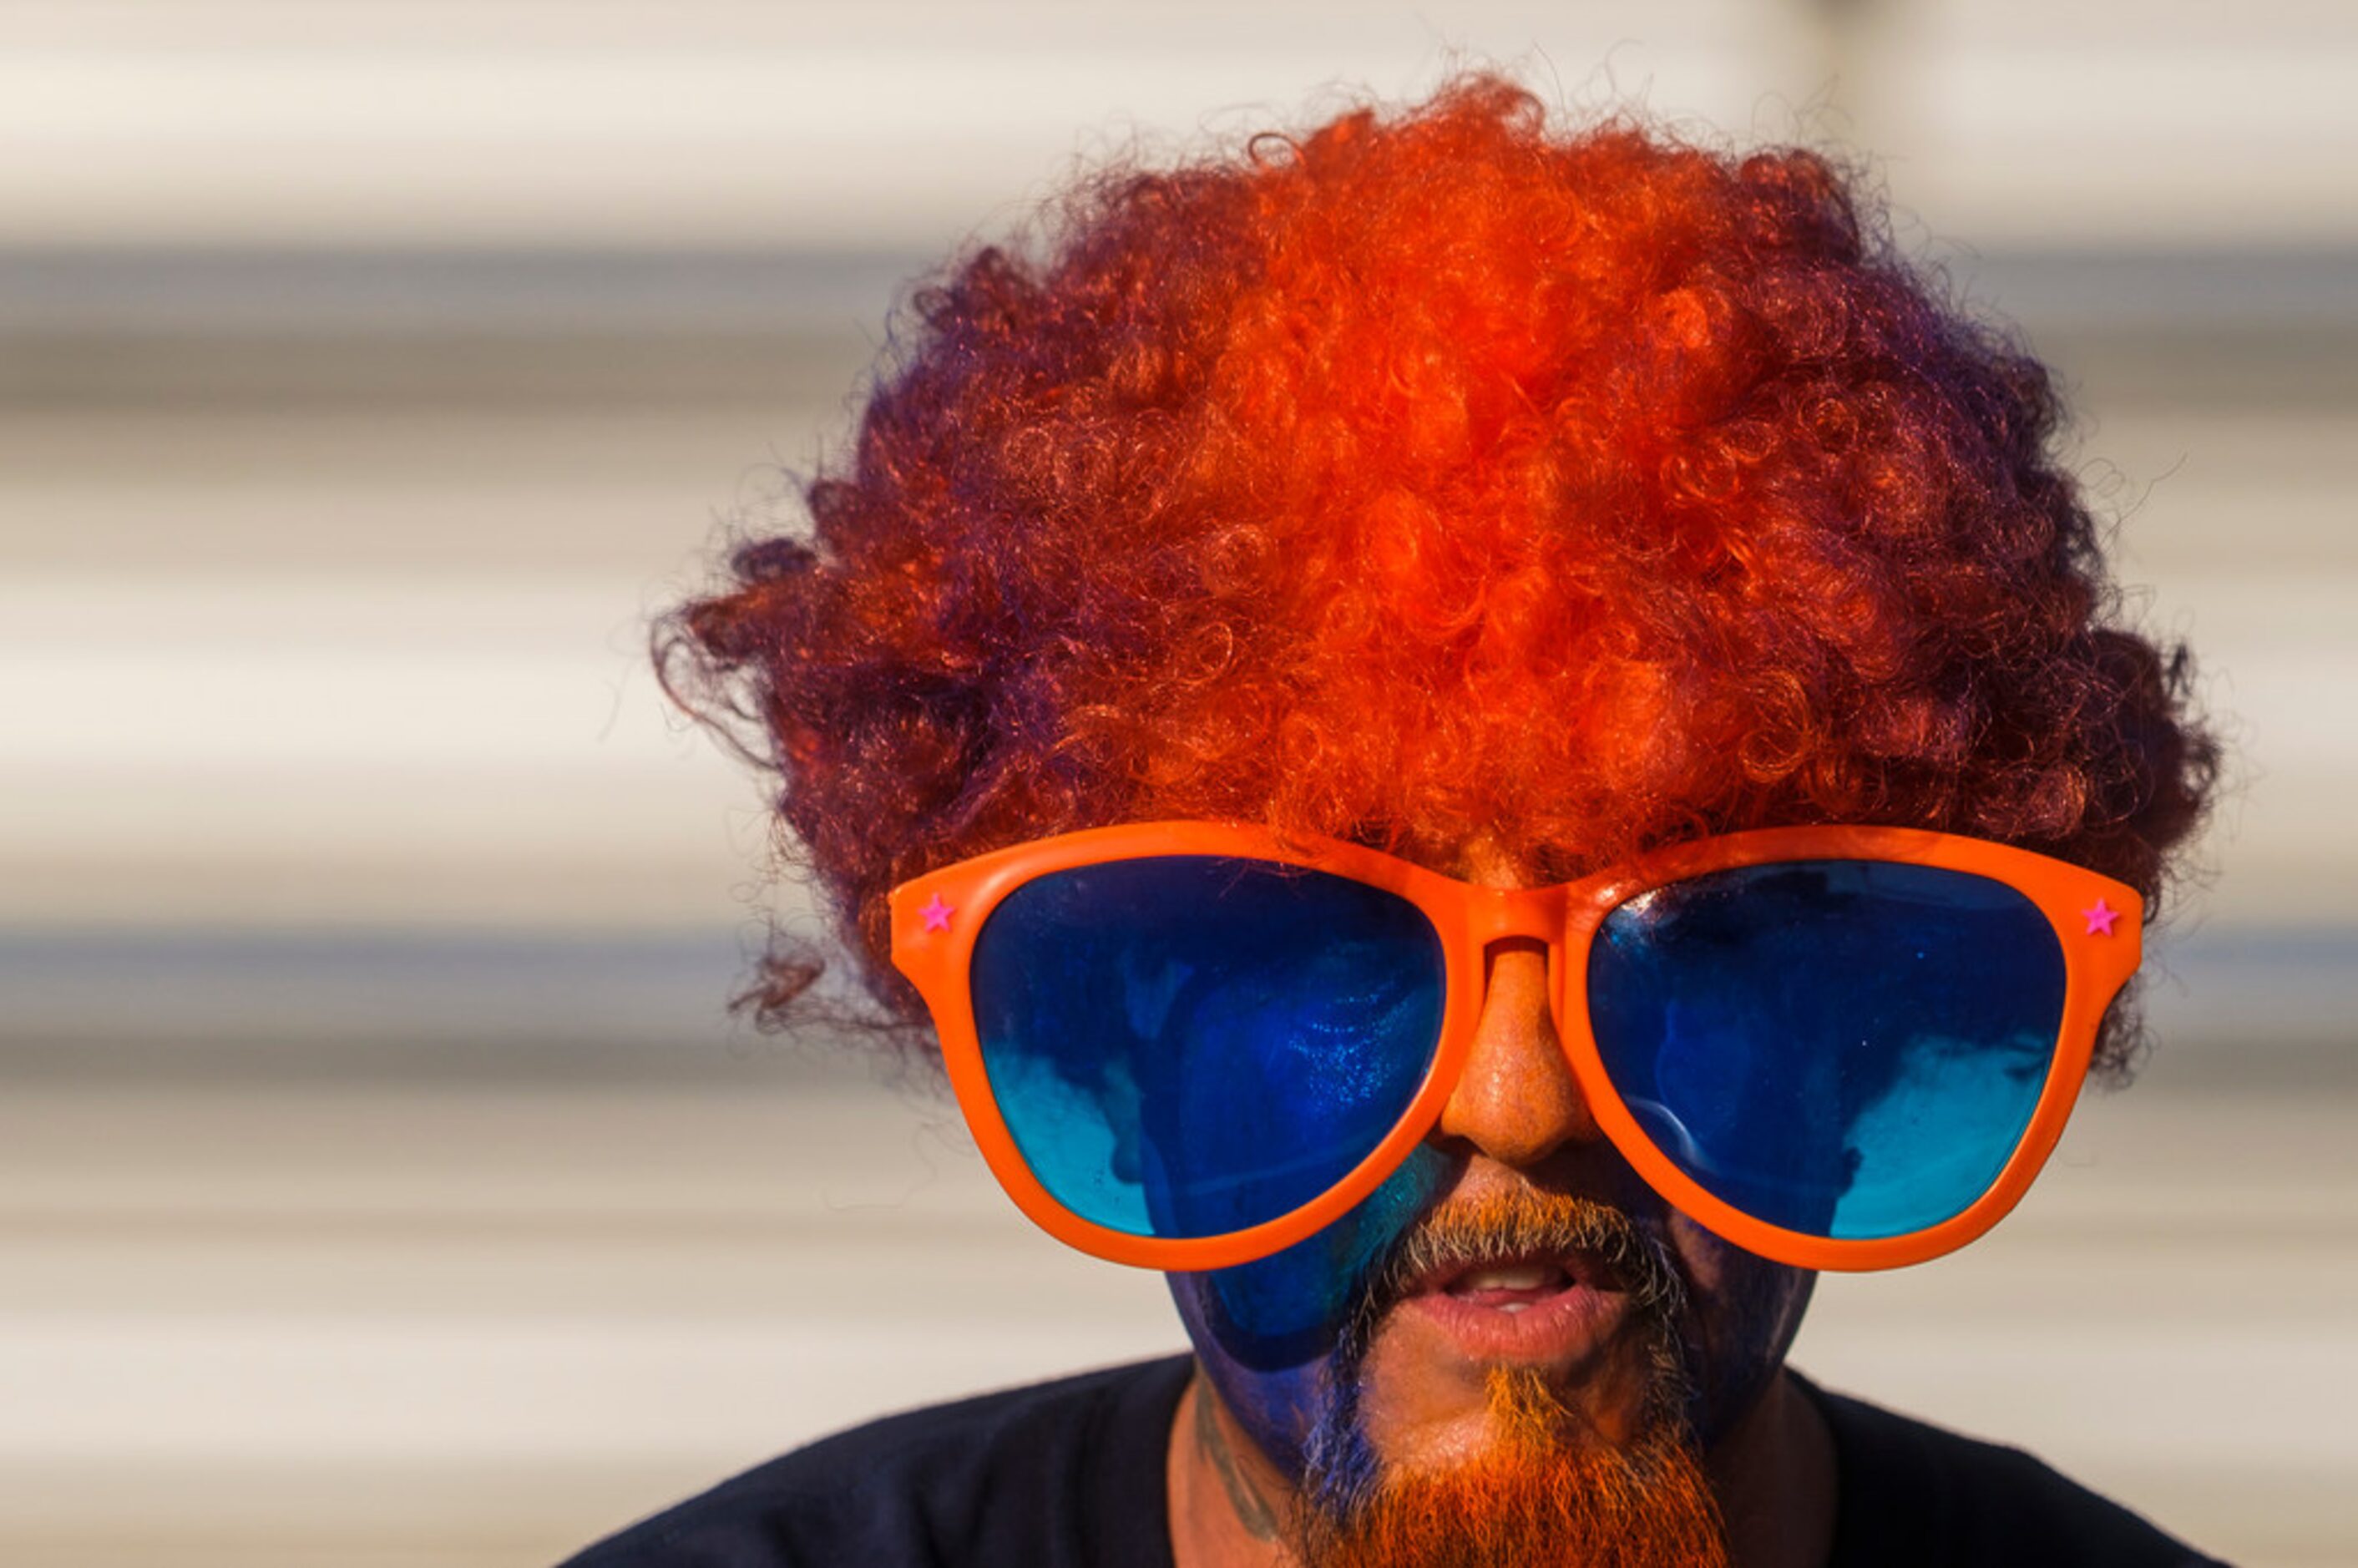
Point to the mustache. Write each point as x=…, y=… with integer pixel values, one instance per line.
x=1520, y=1222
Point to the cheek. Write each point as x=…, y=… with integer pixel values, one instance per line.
x=1742, y=1314
x=1267, y=1333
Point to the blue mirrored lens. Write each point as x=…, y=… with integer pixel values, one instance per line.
x=1185, y=1046
x=1845, y=1048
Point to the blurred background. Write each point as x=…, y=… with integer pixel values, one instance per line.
x=382, y=1181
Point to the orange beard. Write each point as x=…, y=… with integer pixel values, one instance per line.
x=1542, y=1497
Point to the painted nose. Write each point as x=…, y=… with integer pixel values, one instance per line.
x=1517, y=1100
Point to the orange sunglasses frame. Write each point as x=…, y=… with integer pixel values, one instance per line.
x=937, y=918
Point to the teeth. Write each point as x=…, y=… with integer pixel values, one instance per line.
x=1522, y=1276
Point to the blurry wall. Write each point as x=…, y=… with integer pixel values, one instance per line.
x=383, y=1180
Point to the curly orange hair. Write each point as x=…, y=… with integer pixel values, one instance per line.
x=1441, y=474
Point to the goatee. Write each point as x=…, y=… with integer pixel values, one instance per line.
x=1546, y=1490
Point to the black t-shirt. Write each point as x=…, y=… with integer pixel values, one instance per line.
x=1070, y=1474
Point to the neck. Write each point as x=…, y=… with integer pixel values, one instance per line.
x=1229, y=1506
x=1773, y=1474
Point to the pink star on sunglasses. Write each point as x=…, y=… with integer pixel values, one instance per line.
x=937, y=914
x=2100, y=916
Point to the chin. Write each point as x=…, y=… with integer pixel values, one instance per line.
x=1527, y=1480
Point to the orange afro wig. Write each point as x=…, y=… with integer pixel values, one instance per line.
x=1440, y=475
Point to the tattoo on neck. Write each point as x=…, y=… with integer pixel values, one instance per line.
x=1252, y=1509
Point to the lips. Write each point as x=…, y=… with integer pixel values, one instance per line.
x=1555, y=1308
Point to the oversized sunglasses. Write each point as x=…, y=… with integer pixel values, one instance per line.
x=1186, y=1045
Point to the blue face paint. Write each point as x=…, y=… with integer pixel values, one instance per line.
x=1266, y=1333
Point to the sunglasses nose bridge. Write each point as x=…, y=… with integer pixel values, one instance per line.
x=1499, y=913
x=1541, y=914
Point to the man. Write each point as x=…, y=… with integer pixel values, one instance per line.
x=1486, y=744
